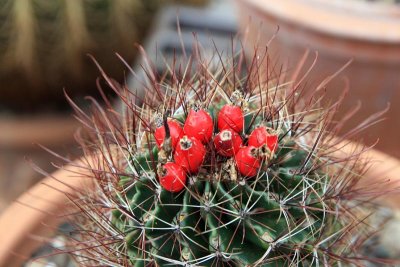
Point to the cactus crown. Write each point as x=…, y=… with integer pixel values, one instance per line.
x=287, y=202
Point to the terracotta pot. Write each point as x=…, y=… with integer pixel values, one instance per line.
x=48, y=130
x=41, y=209
x=37, y=214
x=19, y=139
x=339, y=31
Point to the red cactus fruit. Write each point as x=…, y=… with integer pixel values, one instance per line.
x=176, y=133
x=199, y=125
x=260, y=137
x=227, y=142
x=189, y=154
x=231, y=117
x=247, y=162
x=173, y=178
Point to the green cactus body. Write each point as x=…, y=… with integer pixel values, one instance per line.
x=216, y=221
x=300, y=208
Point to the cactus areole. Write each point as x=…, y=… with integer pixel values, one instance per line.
x=242, y=177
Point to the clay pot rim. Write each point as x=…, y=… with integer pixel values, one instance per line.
x=26, y=223
x=352, y=19
x=52, y=196
x=22, y=132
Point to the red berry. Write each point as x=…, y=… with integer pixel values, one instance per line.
x=175, y=130
x=260, y=137
x=189, y=154
x=227, y=142
x=231, y=117
x=247, y=162
x=199, y=125
x=173, y=178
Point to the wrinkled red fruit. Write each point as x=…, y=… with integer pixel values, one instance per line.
x=231, y=117
x=173, y=178
x=189, y=153
x=260, y=137
x=227, y=142
x=199, y=125
x=176, y=133
x=247, y=162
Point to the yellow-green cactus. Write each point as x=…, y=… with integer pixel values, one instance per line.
x=44, y=45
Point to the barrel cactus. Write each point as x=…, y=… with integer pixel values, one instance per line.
x=226, y=167
x=43, y=45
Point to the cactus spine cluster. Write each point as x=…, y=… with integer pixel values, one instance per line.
x=299, y=208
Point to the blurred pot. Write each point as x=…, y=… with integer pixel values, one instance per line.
x=34, y=216
x=339, y=31
x=20, y=137
x=47, y=130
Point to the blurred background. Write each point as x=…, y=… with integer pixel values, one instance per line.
x=44, y=46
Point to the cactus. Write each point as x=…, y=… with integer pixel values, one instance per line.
x=43, y=45
x=279, y=198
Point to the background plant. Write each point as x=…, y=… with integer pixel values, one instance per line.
x=43, y=45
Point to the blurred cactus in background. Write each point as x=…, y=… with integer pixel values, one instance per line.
x=43, y=46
